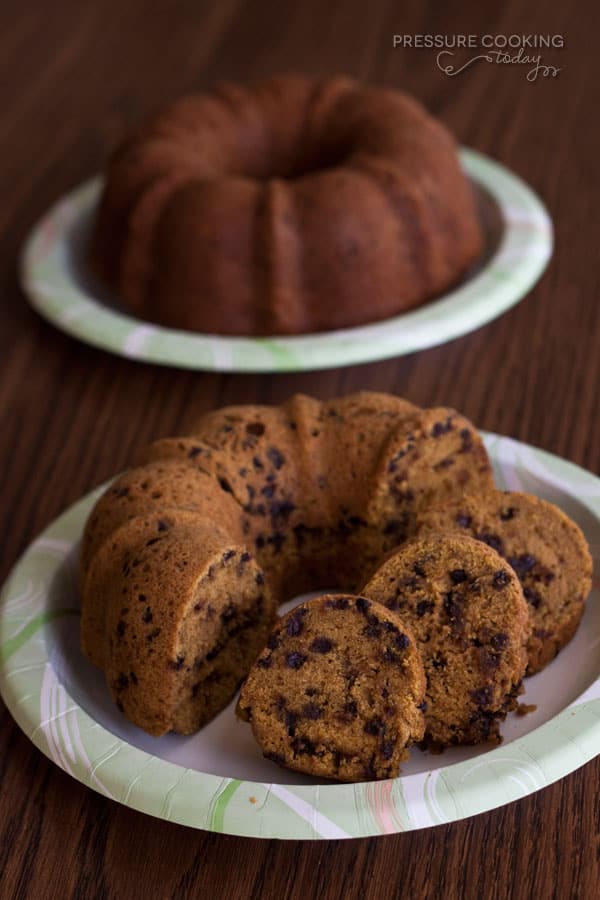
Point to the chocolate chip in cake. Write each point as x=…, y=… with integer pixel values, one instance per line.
x=374, y=726
x=501, y=579
x=532, y=597
x=295, y=624
x=492, y=540
x=295, y=660
x=256, y=428
x=321, y=645
x=275, y=457
x=423, y=607
x=457, y=576
x=522, y=564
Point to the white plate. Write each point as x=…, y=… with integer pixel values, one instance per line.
x=217, y=779
x=518, y=246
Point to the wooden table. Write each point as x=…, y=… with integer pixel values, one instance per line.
x=75, y=75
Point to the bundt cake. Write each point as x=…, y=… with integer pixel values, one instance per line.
x=297, y=205
x=186, y=556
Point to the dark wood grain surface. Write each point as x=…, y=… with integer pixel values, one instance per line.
x=74, y=76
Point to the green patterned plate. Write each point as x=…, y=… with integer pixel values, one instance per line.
x=519, y=245
x=217, y=778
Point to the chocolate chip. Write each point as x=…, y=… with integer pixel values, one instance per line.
x=363, y=605
x=373, y=629
x=228, y=555
x=423, y=607
x=509, y=513
x=401, y=641
x=295, y=660
x=321, y=645
x=228, y=613
x=441, y=428
x=259, y=578
x=522, y=564
x=163, y=525
x=291, y=720
x=419, y=570
x=256, y=428
x=302, y=746
x=294, y=626
x=176, y=664
x=492, y=540
x=387, y=749
x=225, y=485
x=452, y=607
x=466, y=436
x=256, y=462
x=457, y=576
x=121, y=626
x=489, y=661
x=374, y=726
x=194, y=452
x=122, y=682
x=281, y=509
x=275, y=457
x=312, y=711
x=350, y=708
x=142, y=598
x=147, y=615
x=463, y=520
x=273, y=642
x=483, y=696
x=422, y=706
x=121, y=492
x=337, y=603
x=501, y=579
x=276, y=540
x=532, y=597
x=499, y=641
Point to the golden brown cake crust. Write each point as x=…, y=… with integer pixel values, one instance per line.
x=162, y=485
x=337, y=692
x=545, y=548
x=468, y=614
x=280, y=207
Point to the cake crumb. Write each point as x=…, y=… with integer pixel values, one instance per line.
x=252, y=799
x=524, y=708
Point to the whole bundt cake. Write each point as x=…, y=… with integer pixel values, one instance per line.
x=297, y=205
x=185, y=557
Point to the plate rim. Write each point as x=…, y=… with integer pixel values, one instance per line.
x=517, y=263
x=555, y=748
